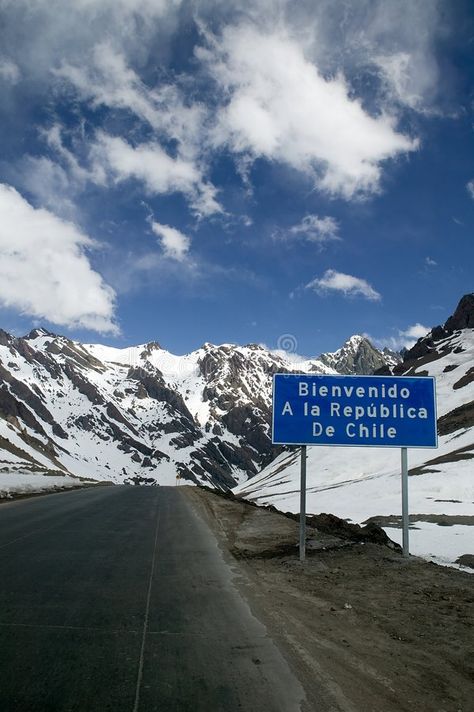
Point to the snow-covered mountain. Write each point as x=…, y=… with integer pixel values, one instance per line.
x=359, y=357
x=363, y=483
x=115, y=414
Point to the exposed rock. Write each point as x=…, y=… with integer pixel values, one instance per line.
x=358, y=356
x=462, y=417
x=466, y=560
x=463, y=317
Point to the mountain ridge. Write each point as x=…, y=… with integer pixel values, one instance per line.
x=141, y=412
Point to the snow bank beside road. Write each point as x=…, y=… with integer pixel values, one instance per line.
x=18, y=482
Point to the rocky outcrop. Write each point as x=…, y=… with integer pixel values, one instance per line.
x=359, y=357
x=463, y=318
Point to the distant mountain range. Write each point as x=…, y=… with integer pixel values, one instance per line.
x=142, y=413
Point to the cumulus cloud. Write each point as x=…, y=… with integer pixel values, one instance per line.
x=405, y=338
x=174, y=243
x=430, y=262
x=108, y=80
x=315, y=229
x=415, y=332
x=44, y=271
x=470, y=188
x=281, y=108
x=160, y=173
x=346, y=284
x=282, y=94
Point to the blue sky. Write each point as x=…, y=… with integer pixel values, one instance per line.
x=191, y=171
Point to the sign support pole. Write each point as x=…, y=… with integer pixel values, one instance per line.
x=405, y=517
x=303, y=505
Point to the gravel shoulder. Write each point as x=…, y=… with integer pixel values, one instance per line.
x=364, y=629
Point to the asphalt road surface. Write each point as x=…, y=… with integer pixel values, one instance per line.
x=119, y=598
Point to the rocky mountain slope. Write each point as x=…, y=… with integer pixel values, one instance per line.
x=359, y=357
x=364, y=483
x=142, y=413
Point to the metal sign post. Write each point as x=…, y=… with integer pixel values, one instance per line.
x=303, y=505
x=354, y=411
x=405, y=517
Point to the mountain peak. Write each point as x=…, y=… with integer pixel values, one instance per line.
x=149, y=348
x=463, y=317
x=358, y=356
x=39, y=332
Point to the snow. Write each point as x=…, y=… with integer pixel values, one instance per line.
x=440, y=544
x=358, y=491
x=359, y=483
x=23, y=482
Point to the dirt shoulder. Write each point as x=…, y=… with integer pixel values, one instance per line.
x=364, y=629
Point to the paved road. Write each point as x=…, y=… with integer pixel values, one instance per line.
x=119, y=598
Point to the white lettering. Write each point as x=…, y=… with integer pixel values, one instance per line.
x=302, y=388
x=374, y=431
x=319, y=430
x=287, y=409
x=335, y=407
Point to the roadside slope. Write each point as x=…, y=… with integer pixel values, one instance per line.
x=381, y=632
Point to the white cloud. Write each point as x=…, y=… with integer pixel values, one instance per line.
x=430, y=262
x=281, y=108
x=174, y=243
x=348, y=285
x=415, y=332
x=48, y=182
x=56, y=180
x=404, y=339
x=159, y=172
x=396, y=71
x=51, y=30
x=77, y=173
x=400, y=39
x=108, y=80
x=44, y=271
x=470, y=188
x=9, y=71
x=316, y=229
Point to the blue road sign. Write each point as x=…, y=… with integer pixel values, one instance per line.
x=368, y=411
